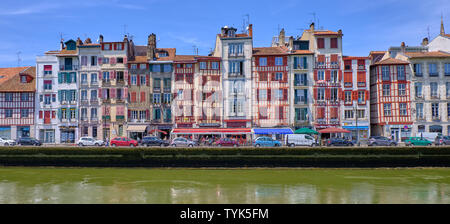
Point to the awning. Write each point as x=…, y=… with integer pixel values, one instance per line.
x=270, y=131
x=356, y=128
x=211, y=131
x=334, y=130
x=151, y=131
x=136, y=128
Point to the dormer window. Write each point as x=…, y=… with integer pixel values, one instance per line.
x=162, y=54
x=23, y=79
x=106, y=47
x=119, y=47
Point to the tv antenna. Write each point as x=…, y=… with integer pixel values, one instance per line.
x=245, y=23
x=18, y=58
x=428, y=32
x=125, y=29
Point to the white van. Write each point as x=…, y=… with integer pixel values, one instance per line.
x=299, y=139
x=430, y=136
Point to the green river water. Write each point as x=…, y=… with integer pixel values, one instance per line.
x=285, y=186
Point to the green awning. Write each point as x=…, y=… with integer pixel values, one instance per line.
x=305, y=131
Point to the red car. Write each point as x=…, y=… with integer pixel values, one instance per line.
x=226, y=142
x=123, y=141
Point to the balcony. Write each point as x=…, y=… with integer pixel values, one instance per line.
x=120, y=117
x=334, y=64
x=300, y=100
x=106, y=100
x=235, y=54
x=434, y=96
x=106, y=82
x=433, y=74
x=84, y=101
x=93, y=101
x=120, y=82
x=68, y=68
x=167, y=90
x=421, y=118
x=106, y=117
x=436, y=118
x=235, y=74
x=157, y=89
x=94, y=119
x=300, y=83
x=419, y=74
x=85, y=119
x=84, y=83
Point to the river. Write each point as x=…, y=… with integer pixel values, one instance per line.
x=142, y=185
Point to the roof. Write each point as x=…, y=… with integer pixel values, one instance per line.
x=140, y=50
x=447, y=35
x=269, y=51
x=431, y=54
x=63, y=52
x=139, y=59
x=301, y=52
x=324, y=32
x=10, y=81
x=355, y=58
x=170, y=52
x=391, y=61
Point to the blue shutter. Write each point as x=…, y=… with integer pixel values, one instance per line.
x=59, y=96
x=59, y=113
x=295, y=62
x=59, y=77
x=305, y=63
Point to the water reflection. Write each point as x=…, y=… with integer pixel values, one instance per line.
x=310, y=186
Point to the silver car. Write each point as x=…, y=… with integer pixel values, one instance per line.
x=6, y=142
x=89, y=141
x=180, y=141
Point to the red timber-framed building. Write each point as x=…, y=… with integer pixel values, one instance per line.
x=356, y=97
x=271, y=87
x=327, y=91
x=390, y=97
x=17, y=102
x=197, y=92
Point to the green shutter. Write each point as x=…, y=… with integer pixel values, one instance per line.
x=154, y=113
x=74, y=77
x=295, y=62
x=306, y=95
x=59, y=96
x=59, y=113
x=60, y=77
x=76, y=113
x=305, y=63
x=67, y=74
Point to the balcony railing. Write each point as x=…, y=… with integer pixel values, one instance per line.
x=235, y=54
x=436, y=118
x=68, y=68
x=300, y=83
x=433, y=74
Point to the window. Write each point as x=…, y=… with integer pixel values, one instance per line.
x=142, y=115
x=278, y=76
x=262, y=94
x=334, y=94
x=24, y=97
x=435, y=110
x=321, y=94
x=202, y=65
x=72, y=113
x=93, y=113
x=167, y=98
x=106, y=47
x=215, y=65
x=133, y=79
x=418, y=88
x=119, y=47
x=8, y=97
x=133, y=66
x=134, y=114
x=105, y=60
x=83, y=113
x=106, y=76
x=143, y=81
x=361, y=113
x=320, y=43
x=236, y=48
x=418, y=69
x=120, y=60
x=334, y=76
x=162, y=54
x=47, y=70
x=83, y=94
x=300, y=96
x=447, y=68
x=262, y=61
x=447, y=89
x=93, y=78
x=47, y=99
x=386, y=89
x=301, y=114
x=167, y=68
x=93, y=60
x=432, y=69
x=387, y=109
x=156, y=68
x=84, y=78
x=235, y=67
x=156, y=83
x=23, y=79
x=8, y=113
x=333, y=43
x=180, y=94
x=361, y=97
x=157, y=98
x=300, y=80
x=401, y=72
x=156, y=113
x=321, y=75
x=279, y=93
x=24, y=113
x=47, y=84
x=278, y=61
x=419, y=110
x=348, y=97
x=401, y=89
x=93, y=95
x=385, y=73
x=348, y=114
x=403, y=110
x=434, y=89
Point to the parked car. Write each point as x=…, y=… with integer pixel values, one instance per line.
x=155, y=141
x=442, y=140
x=430, y=136
x=226, y=142
x=180, y=141
x=28, y=141
x=417, y=141
x=123, y=141
x=6, y=141
x=90, y=141
x=266, y=141
x=381, y=141
x=292, y=140
x=339, y=142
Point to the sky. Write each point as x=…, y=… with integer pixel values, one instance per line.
x=33, y=27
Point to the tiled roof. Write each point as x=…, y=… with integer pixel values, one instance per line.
x=447, y=35
x=301, y=52
x=140, y=50
x=324, y=32
x=391, y=61
x=10, y=81
x=170, y=54
x=432, y=54
x=269, y=51
x=62, y=52
x=139, y=59
x=354, y=58
x=184, y=58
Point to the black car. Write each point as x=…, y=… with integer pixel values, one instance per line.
x=381, y=141
x=442, y=140
x=28, y=141
x=153, y=141
x=339, y=142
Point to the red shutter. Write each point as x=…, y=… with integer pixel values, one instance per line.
x=53, y=114
x=142, y=96
x=284, y=77
x=327, y=75
x=147, y=114
x=269, y=94
x=340, y=94
x=129, y=114
x=327, y=93
x=113, y=93
x=125, y=93
x=125, y=76
x=257, y=94
x=340, y=75
x=99, y=93
x=315, y=93
x=138, y=80
x=115, y=46
x=148, y=79
x=40, y=114
x=315, y=75
x=354, y=95
x=367, y=95
x=100, y=76
x=272, y=76
x=103, y=47
x=285, y=95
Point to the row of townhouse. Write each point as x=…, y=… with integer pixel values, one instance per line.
x=109, y=89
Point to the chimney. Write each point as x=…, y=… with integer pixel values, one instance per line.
x=403, y=47
x=125, y=38
x=151, y=46
x=88, y=41
x=340, y=32
x=250, y=30
x=100, y=38
x=79, y=42
x=281, y=38
x=311, y=27
x=291, y=43
x=62, y=44
x=425, y=41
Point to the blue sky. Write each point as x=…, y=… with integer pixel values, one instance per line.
x=33, y=27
